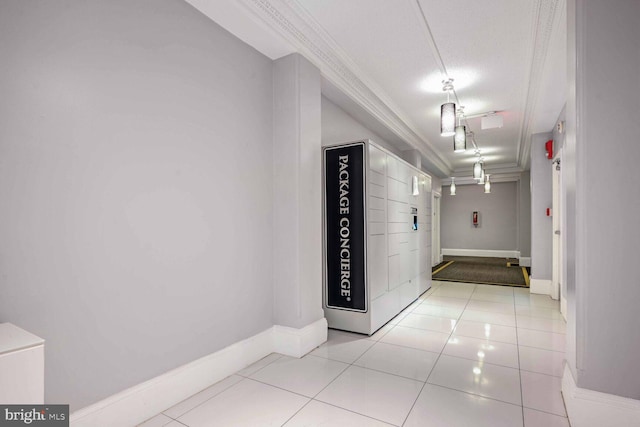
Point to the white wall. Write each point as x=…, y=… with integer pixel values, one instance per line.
x=498, y=217
x=600, y=154
x=541, y=199
x=136, y=189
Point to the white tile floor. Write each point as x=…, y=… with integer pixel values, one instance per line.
x=462, y=355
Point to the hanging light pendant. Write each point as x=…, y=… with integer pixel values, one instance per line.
x=487, y=186
x=453, y=187
x=460, y=137
x=477, y=170
x=447, y=111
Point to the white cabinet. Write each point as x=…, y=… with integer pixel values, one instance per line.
x=21, y=366
x=397, y=233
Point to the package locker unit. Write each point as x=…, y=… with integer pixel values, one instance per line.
x=377, y=235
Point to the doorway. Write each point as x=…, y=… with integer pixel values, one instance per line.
x=556, y=274
x=436, y=257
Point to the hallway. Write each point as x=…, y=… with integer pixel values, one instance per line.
x=461, y=355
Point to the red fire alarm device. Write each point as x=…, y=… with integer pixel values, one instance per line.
x=549, y=213
x=548, y=146
x=475, y=218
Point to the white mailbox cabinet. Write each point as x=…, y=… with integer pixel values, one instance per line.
x=377, y=235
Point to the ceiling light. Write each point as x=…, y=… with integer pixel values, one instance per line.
x=487, y=186
x=477, y=170
x=453, y=187
x=447, y=111
x=481, y=179
x=460, y=137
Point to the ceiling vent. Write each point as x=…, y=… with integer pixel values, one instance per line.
x=491, y=121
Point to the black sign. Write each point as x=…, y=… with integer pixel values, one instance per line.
x=345, y=228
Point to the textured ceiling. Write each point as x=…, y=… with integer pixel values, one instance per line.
x=504, y=55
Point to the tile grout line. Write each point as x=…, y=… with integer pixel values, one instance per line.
x=474, y=394
x=519, y=370
x=436, y=362
x=422, y=301
x=477, y=395
x=340, y=374
x=339, y=407
x=345, y=369
x=206, y=400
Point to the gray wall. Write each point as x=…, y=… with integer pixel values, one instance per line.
x=541, y=199
x=338, y=126
x=524, y=214
x=136, y=188
x=603, y=196
x=436, y=184
x=498, y=218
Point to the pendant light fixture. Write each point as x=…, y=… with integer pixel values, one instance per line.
x=460, y=137
x=487, y=186
x=453, y=187
x=477, y=170
x=447, y=111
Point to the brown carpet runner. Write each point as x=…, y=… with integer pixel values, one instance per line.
x=491, y=271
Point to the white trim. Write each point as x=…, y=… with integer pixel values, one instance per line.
x=525, y=261
x=481, y=252
x=563, y=307
x=298, y=342
x=145, y=400
x=540, y=286
x=589, y=408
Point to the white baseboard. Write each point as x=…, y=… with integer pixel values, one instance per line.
x=540, y=286
x=588, y=408
x=298, y=342
x=525, y=261
x=481, y=252
x=143, y=401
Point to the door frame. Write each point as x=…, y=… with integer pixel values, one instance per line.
x=436, y=256
x=556, y=229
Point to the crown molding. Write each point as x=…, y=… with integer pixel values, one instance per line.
x=547, y=15
x=300, y=30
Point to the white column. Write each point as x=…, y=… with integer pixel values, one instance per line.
x=297, y=193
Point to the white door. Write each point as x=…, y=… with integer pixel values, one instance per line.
x=556, y=212
x=435, y=234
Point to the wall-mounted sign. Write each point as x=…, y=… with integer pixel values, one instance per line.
x=345, y=238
